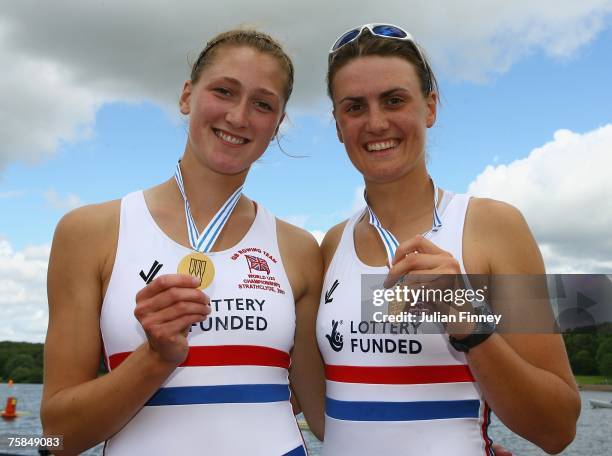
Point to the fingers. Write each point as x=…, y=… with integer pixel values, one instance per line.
x=420, y=256
x=169, y=330
x=168, y=302
x=168, y=298
x=411, y=263
x=165, y=282
x=417, y=244
x=176, y=312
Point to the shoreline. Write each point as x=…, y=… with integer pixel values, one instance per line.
x=606, y=388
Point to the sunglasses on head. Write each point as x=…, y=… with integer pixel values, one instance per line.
x=382, y=31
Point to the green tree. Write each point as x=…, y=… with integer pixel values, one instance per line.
x=21, y=354
x=583, y=363
x=21, y=374
x=16, y=361
x=605, y=365
x=605, y=347
x=36, y=375
x=586, y=342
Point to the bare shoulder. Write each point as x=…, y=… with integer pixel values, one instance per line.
x=499, y=231
x=92, y=228
x=490, y=213
x=92, y=219
x=331, y=241
x=298, y=240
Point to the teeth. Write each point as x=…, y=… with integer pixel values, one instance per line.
x=229, y=138
x=381, y=145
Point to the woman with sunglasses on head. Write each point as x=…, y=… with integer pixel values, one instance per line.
x=191, y=371
x=389, y=390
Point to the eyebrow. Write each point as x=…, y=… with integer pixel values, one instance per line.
x=390, y=92
x=260, y=89
x=385, y=94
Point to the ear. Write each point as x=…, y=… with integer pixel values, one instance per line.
x=185, y=98
x=432, y=109
x=338, y=132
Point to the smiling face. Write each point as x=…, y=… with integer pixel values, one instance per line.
x=235, y=108
x=382, y=116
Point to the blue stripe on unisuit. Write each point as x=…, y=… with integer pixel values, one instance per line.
x=219, y=394
x=298, y=451
x=401, y=411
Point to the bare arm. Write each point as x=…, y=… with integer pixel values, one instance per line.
x=76, y=404
x=525, y=378
x=304, y=267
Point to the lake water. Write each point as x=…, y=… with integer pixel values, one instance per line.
x=594, y=436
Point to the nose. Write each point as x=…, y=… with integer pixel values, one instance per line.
x=377, y=121
x=238, y=114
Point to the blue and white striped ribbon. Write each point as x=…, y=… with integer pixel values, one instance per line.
x=389, y=241
x=203, y=242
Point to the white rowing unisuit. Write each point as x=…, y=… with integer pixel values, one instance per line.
x=231, y=396
x=394, y=390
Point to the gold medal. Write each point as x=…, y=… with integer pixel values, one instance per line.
x=198, y=265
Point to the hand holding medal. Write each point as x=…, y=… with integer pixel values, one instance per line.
x=166, y=308
x=170, y=304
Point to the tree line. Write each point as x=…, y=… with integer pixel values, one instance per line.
x=589, y=354
x=21, y=361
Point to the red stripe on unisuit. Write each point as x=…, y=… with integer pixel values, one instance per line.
x=485, y=430
x=399, y=375
x=225, y=355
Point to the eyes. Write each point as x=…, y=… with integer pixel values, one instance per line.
x=259, y=104
x=391, y=102
x=222, y=90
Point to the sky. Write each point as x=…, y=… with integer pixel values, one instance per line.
x=88, y=113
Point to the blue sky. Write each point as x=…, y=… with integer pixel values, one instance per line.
x=92, y=123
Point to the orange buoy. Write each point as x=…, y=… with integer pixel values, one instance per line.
x=10, y=411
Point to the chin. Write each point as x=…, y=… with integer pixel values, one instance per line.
x=382, y=175
x=230, y=167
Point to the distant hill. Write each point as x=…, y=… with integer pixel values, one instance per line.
x=23, y=362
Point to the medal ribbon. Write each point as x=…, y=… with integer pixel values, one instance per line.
x=389, y=241
x=203, y=242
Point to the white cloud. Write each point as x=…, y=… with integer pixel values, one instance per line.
x=55, y=200
x=563, y=191
x=318, y=235
x=23, y=301
x=42, y=105
x=297, y=220
x=300, y=220
x=12, y=194
x=64, y=59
